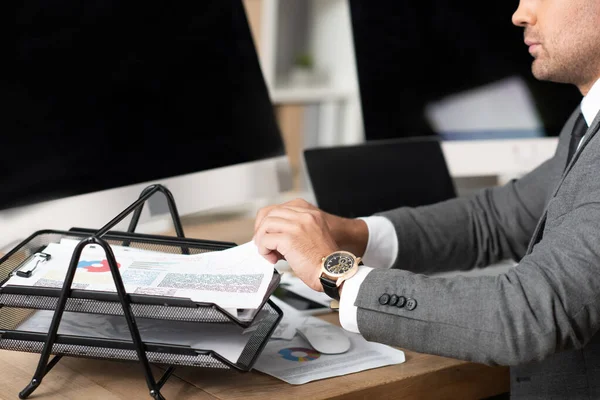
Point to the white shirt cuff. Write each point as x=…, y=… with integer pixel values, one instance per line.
x=348, y=310
x=382, y=245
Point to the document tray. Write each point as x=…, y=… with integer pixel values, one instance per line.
x=17, y=335
x=96, y=302
x=66, y=321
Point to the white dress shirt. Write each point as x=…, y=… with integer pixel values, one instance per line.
x=382, y=245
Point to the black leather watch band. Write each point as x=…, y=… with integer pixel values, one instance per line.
x=330, y=288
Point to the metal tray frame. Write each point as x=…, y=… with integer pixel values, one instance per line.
x=18, y=302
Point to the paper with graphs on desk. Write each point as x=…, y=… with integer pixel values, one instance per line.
x=233, y=278
x=296, y=362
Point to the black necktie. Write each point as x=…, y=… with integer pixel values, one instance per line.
x=579, y=130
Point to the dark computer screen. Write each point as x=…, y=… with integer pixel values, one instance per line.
x=107, y=93
x=411, y=53
x=401, y=172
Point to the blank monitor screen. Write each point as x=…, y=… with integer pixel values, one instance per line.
x=107, y=93
x=412, y=53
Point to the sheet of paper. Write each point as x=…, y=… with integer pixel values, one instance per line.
x=233, y=278
x=228, y=340
x=127, y=249
x=295, y=362
x=292, y=319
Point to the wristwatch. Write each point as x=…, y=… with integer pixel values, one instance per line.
x=335, y=269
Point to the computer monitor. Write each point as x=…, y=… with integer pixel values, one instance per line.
x=410, y=54
x=111, y=96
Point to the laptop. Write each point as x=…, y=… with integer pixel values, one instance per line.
x=379, y=175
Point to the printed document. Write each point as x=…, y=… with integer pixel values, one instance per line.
x=228, y=340
x=296, y=362
x=235, y=278
x=292, y=319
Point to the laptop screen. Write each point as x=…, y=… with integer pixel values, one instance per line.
x=360, y=180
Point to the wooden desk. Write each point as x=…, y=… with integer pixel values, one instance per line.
x=422, y=376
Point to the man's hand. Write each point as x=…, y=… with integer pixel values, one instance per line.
x=297, y=233
x=349, y=234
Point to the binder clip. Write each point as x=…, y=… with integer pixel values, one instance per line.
x=27, y=270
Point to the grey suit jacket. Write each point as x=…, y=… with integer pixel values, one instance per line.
x=541, y=317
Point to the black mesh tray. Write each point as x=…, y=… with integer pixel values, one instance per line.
x=107, y=303
x=126, y=326
x=122, y=348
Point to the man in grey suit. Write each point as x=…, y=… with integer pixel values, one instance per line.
x=541, y=317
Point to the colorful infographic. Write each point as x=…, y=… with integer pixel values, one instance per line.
x=299, y=354
x=96, y=265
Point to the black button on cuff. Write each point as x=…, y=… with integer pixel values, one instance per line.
x=384, y=299
x=393, y=300
x=411, y=304
x=401, y=302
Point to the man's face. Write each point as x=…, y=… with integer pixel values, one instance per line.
x=563, y=37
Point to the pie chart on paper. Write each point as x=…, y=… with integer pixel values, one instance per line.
x=299, y=354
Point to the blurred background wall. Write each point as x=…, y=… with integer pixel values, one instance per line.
x=349, y=71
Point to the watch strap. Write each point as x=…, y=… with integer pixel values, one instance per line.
x=330, y=288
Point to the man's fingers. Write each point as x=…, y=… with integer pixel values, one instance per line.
x=295, y=214
x=277, y=212
x=315, y=215
x=260, y=215
x=272, y=224
x=266, y=212
x=272, y=242
x=299, y=209
x=300, y=203
x=273, y=257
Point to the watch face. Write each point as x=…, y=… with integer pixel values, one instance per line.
x=338, y=263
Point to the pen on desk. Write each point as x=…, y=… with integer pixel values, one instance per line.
x=27, y=270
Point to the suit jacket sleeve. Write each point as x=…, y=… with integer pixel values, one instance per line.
x=474, y=232
x=550, y=302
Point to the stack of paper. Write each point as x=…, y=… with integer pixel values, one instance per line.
x=228, y=340
x=235, y=278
